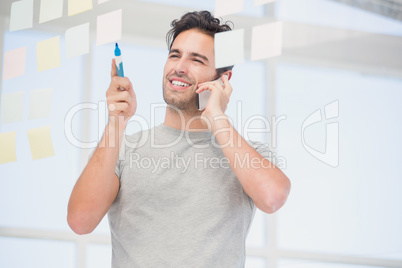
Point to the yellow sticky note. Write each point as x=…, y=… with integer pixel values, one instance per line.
x=48, y=54
x=7, y=147
x=14, y=63
x=78, y=6
x=21, y=16
x=40, y=142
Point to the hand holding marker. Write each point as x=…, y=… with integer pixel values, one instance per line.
x=119, y=62
x=121, y=99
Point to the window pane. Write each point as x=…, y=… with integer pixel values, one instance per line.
x=257, y=236
x=332, y=14
x=353, y=208
x=284, y=263
x=249, y=8
x=34, y=193
x=144, y=67
x=248, y=100
x=99, y=256
x=18, y=252
x=255, y=262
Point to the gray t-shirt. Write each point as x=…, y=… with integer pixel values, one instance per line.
x=179, y=203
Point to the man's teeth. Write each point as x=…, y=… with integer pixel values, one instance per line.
x=180, y=84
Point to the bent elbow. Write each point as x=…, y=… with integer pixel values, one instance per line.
x=273, y=202
x=77, y=224
x=268, y=207
x=271, y=205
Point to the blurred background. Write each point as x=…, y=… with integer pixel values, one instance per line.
x=328, y=105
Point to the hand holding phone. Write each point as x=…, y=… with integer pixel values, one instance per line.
x=203, y=97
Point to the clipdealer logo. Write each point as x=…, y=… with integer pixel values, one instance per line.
x=331, y=111
x=331, y=154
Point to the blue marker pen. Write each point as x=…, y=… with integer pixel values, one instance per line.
x=119, y=63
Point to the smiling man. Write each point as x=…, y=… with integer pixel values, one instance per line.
x=181, y=194
x=190, y=62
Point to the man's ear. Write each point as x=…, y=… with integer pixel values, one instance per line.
x=228, y=74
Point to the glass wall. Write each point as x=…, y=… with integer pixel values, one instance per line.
x=349, y=209
x=332, y=121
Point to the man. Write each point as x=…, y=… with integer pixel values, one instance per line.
x=183, y=193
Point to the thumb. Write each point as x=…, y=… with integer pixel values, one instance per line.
x=114, y=69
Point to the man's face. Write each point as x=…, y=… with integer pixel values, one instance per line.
x=191, y=61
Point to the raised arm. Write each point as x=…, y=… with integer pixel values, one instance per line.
x=98, y=185
x=264, y=182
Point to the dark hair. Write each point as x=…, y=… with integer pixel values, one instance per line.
x=202, y=21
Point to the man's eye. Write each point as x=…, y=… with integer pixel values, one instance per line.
x=173, y=56
x=198, y=61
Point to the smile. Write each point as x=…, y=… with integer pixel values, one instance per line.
x=179, y=84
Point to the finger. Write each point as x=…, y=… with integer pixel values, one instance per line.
x=204, y=87
x=121, y=82
x=130, y=90
x=114, y=69
x=204, y=83
x=214, y=82
x=125, y=83
x=118, y=107
x=201, y=89
x=120, y=96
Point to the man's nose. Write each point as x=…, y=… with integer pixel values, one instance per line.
x=181, y=66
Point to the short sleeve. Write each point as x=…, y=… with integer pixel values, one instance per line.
x=117, y=168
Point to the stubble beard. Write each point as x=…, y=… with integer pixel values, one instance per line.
x=186, y=104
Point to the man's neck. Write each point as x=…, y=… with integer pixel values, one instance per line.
x=183, y=120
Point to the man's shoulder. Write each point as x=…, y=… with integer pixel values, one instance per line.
x=135, y=140
x=137, y=135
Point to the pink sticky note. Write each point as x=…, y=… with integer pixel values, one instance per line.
x=14, y=63
x=266, y=40
x=229, y=48
x=109, y=27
